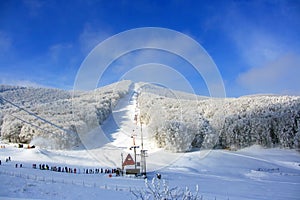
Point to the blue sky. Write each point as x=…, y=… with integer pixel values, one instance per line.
x=255, y=44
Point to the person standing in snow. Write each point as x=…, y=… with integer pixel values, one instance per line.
x=158, y=176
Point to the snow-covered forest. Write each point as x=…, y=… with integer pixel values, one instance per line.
x=176, y=121
x=179, y=124
x=72, y=113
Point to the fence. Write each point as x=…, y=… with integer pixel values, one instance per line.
x=52, y=180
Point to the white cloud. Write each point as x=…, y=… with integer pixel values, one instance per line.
x=91, y=36
x=260, y=37
x=278, y=76
x=258, y=47
x=162, y=40
x=20, y=82
x=266, y=54
x=159, y=74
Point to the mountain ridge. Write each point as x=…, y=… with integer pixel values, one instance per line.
x=177, y=121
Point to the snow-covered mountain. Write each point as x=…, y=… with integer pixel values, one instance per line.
x=69, y=113
x=175, y=120
x=179, y=124
x=169, y=120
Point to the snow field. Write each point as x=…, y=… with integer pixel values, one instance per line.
x=252, y=173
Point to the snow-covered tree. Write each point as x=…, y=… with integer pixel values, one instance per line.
x=75, y=114
x=269, y=121
x=158, y=189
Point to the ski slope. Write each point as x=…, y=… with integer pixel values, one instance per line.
x=114, y=137
x=251, y=173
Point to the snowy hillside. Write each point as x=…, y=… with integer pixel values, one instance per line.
x=178, y=124
x=71, y=114
x=173, y=120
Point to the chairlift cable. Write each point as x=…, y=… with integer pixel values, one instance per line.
x=30, y=124
x=31, y=113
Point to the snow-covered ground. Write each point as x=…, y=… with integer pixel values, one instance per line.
x=251, y=173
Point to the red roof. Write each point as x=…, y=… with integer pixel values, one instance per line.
x=128, y=161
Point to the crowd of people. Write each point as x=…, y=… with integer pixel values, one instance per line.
x=66, y=169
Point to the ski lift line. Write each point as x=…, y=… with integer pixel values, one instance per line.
x=31, y=113
x=31, y=124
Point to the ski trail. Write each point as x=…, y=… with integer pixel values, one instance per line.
x=120, y=125
x=108, y=142
x=118, y=130
x=123, y=122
